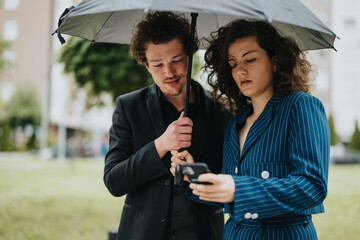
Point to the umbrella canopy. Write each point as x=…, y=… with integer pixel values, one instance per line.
x=112, y=21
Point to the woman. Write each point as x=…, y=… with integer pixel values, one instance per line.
x=276, y=147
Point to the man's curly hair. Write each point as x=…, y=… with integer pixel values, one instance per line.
x=160, y=27
x=292, y=67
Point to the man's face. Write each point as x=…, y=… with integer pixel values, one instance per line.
x=167, y=63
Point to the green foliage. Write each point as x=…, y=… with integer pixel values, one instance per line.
x=32, y=143
x=103, y=67
x=355, y=139
x=24, y=108
x=3, y=46
x=6, y=143
x=107, y=68
x=3, y=115
x=333, y=135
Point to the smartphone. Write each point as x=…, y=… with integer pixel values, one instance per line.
x=193, y=170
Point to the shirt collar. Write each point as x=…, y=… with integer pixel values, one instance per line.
x=243, y=112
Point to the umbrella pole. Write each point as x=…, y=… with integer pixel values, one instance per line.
x=178, y=178
x=190, y=54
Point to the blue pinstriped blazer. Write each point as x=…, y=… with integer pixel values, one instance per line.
x=283, y=167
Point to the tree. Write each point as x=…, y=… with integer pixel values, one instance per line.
x=333, y=135
x=355, y=139
x=103, y=67
x=32, y=143
x=24, y=108
x=106, y=68
x=6, y=143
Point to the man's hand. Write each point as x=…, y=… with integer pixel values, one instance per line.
x=180, y=158
x=221, y=190
x=176, y=136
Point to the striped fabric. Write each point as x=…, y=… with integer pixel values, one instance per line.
x=283, y=168
x=300, y=230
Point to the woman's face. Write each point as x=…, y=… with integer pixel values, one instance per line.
x=251, y=67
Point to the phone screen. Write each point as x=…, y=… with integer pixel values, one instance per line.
x=193, y=170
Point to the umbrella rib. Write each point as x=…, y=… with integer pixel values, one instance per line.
x=98, y=32
x=269, y=19
x=319, y=35
x=93, y=24
x=322, y=38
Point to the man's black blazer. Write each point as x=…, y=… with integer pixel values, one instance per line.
x=133, y=167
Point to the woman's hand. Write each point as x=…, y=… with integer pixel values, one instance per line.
x=221, y=190
x=180, y=158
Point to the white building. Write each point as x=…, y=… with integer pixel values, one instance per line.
x=338, y=80
x=346, y=66
x=67, y=101
x=33, y=52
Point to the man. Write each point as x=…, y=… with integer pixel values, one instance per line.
x=148, y=124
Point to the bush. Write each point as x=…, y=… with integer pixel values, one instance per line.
x=24, y=108
x=333, y=135
x=32, y=143
x=355, y=139
x=6, y=143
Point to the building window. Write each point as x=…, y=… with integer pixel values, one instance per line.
x=7, y=90
x=10, y=30
x=11, y=5
x=10, y=58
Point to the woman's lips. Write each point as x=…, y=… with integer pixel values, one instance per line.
x=245, y=82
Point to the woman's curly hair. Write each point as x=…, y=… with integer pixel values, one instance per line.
x=160, y=27
x=292, y=67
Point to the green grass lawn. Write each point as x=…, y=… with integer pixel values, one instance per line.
x=42, y=199
x=341, y=219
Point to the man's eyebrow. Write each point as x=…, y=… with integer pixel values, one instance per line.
x=180, y=55
x=251, y=51
x=158, y=60
x=155, y=60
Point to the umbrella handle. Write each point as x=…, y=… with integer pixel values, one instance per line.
x=190, y=54
x=179, y=176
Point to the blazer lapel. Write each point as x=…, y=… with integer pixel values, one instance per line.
x=202, y=120
x=260, y=124
x=233, y=147
x=153, y=105
x=231, y=140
